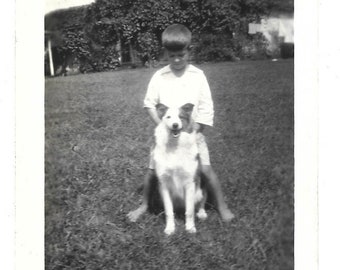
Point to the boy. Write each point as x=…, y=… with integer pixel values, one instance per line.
x=174, y=85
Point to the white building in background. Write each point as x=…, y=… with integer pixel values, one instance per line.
x=276, y=29
x=283, y=27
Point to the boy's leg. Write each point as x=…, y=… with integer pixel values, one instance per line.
x=214, y=186
x=211, y=179
x=134, y=215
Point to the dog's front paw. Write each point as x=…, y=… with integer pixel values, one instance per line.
x=202, y=214
x=169, y=229
x=191, y=229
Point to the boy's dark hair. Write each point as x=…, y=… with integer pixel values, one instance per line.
x=176, y=37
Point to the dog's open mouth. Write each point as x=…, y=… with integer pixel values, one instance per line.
x=175, y=132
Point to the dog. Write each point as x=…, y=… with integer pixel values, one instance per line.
x=177, y=166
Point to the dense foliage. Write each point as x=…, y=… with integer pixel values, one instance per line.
x=109, y=31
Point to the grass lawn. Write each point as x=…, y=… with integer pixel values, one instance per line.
x=97, y=154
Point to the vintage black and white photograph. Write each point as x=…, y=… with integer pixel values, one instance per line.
x=169, y=134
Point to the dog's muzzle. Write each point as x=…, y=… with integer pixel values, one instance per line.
x=175, y=130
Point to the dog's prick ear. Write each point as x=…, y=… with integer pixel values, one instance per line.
x=188, y=107
x=161, y=109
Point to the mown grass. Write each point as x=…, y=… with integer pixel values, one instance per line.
x=97, y=153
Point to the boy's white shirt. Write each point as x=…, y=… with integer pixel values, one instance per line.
x=192, y=87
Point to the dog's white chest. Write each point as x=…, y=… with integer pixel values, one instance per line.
x=172, y=153
x=176, y=158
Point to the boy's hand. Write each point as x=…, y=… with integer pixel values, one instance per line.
x=154, y=116
x=198, y=127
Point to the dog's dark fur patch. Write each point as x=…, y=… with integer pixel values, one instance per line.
x=161, y=110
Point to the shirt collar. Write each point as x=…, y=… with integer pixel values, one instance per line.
x=166, y=69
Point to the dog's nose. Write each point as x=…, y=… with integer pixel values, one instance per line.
x=175, y=126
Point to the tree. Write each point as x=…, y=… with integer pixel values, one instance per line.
x=134, y=23
x=140, y=22
x=107, y=28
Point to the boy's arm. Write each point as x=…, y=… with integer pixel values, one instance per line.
x=198, y=127
x=205, y=107
x=152, y=99
x=152, y=112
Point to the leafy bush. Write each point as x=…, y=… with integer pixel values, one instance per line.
x=211, y=47
x=90, y=34
x=75, y=43
x=149, y=45
x=106, y=58
x=252, y=47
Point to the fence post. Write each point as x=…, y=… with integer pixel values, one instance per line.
x=50, y=57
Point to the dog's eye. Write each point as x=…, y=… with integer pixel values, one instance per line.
x=168, y=117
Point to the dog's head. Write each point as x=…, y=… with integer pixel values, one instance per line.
x=176, y=119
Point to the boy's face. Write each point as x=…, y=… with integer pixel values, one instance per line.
x=178, y=59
